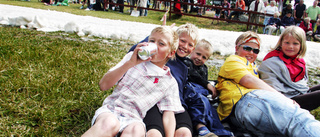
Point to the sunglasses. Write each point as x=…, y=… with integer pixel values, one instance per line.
x=248, y=48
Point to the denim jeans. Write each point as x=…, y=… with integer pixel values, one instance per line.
x=201, y=111
x=268, y=113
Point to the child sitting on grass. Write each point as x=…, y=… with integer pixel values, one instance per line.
x=204, y=117
x=141, y=84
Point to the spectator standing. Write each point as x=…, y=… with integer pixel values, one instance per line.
x=225, y=12
x=144, y=4
x=286, y=21
x=133, y=3
x=201, y=8
x=299, y=12
x=185, y=6
x=273, y=24
x=313, y=12
x=306, y=25
x=120, y=6
x=247, y=3
x=240, y=4
x=257, y=6
x=286, y=10
x=191, y=6
x=83, y=3
x=270, y=9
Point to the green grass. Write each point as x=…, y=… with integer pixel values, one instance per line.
x=49, y=81
x=49, y=85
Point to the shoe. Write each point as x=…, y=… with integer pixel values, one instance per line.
x=87, y=9
x=81, y=7
x=209, y=135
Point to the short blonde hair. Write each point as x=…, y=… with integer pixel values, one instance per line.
x=299, y=34
x=174, y=41
x=206, y=45
x=191, y=30
x=247, y=36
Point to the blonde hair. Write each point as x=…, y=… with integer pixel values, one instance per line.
x=206, y=45
x=273, y=2
x=191, y=30
x=299, y=34
x=174, y=41
x=247, y=36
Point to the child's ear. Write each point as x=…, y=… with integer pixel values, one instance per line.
x=171, y=54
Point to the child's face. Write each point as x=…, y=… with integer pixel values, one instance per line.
x=163, y=42
x=244, y=51
x=199, y=56
x=288, y=14
x=186, y=45
x=290, y=46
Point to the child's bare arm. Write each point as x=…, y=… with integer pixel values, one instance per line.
x=113, y=76
x=169, y=123
x=213, y=90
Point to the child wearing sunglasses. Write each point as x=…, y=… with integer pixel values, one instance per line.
x=249, y=103
x=284, y=69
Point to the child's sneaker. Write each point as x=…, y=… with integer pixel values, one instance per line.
x=210, y=134
x=204, y=132
x=81, y=7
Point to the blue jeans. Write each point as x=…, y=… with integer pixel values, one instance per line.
x=201, y=111
x=272, y=114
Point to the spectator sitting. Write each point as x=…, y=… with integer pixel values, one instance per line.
x=286, y=21
x=316, y=34
x=273, y=24
x=217, y=13
x=270, y=9
x=306, y=25
x=240, y=4
x=225, y=12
